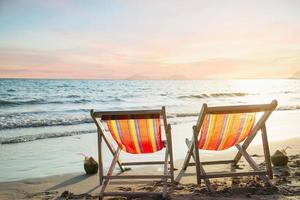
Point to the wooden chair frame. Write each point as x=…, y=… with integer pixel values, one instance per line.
x=193, y=150
x=167, y=162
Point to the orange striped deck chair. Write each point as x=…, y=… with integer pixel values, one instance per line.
x=134, y=132
x=219, y=128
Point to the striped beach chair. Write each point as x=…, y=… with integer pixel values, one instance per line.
x=219, y=128
x=134, y=132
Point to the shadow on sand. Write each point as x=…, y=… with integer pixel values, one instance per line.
x=70, y=181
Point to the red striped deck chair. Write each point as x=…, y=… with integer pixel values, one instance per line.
x=219, y=128
x=134, y=132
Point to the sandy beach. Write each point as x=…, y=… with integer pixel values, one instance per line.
x=105, y=85
x=80, y=186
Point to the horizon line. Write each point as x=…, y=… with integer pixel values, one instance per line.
x=110, y=79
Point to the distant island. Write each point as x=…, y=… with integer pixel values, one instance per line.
x=137, y=77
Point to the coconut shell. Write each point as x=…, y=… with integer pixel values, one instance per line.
x=90, y=165
x=279, y=159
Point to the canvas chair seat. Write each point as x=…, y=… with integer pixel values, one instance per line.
x=136, y=134
x=222, y=131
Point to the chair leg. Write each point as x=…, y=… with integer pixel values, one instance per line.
x=266, y=151
x=196, y=154
x=203, y=173
x=206, y=180
x=234, y=178
x=252, y=163
x=186, y=161
x=189, y=153
x=112, y=150
x=170, y=152
x=109, y=173
x=100, y=165
x=165, y=180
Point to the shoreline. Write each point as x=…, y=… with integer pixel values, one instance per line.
x=52, y=187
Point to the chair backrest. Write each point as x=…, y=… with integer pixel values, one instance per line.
x=223, y=127
x=222, y=131
x=135, y=132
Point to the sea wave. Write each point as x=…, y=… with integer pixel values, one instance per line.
x=73, y=96
x=28, y=138
x=69, y=101
x=289, y=107
x=5, y=103
x=192, y=114
x=209, y=95
x=39, y=101
x=185, y=114
x=20, y=102
x=42, y=112
x=38, y=119
x=12, y=123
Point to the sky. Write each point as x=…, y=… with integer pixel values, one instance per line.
x=139, y=39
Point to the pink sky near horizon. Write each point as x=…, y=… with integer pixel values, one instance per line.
x=162, y=40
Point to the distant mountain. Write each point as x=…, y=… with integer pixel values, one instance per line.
x=177, y=77
x=137, y=77
x=296, y=75
x=142, y=77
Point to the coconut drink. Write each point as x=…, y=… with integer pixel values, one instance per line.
x=279, y=158
x=90, y=165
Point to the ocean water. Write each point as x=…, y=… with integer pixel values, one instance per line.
x=44, y=124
